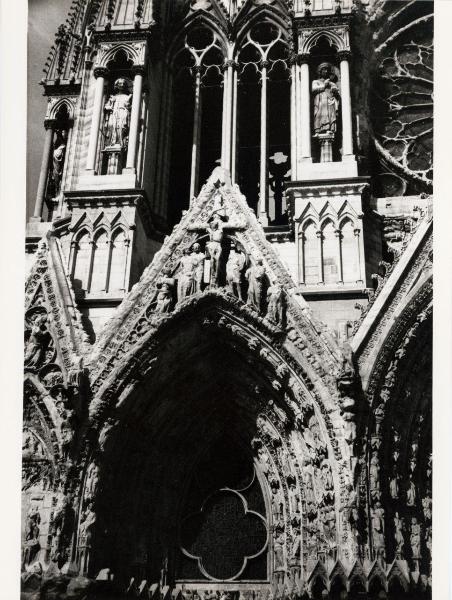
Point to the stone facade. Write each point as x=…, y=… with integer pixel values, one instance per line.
x=227, y=374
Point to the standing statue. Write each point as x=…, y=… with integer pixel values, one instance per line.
x=275, y=308
x=256, y=277
x=214, y=248
x=198, y=258
x=326, y=100
x=32, y=544
x=186, y=275
x=234, y=268
x=117, y=115
x=278, y=547
x=87, y=523
x=165, y=293
x=59, y=152
x=411, y=492
x=415, y=541
x=378, y=530
x=399, y=540
x=38, y=342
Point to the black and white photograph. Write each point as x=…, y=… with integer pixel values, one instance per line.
x=226, y=378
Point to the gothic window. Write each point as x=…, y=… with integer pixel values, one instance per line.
x=197, y=110
x=263, y=123
x=330, y=253
x=349, y=252
x=118, y=261
x=81, y=261
x=99, y=262
x=310, y=254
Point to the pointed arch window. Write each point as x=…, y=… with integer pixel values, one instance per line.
x=309, y=259
x=330, y=257
x=349, y=252
x=81, y=261
x=118, y=261
x=99, y=267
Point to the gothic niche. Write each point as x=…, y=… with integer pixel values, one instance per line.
x=117, y=107
x=326, y=115
x=61, y=125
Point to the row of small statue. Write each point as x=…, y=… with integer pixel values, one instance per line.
x=197, y=269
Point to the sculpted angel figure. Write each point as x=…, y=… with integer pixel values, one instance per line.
x=186, y=275
x=117, y=115
x=165, y=287
x=198, y=258
x=326, y=100
x=38, y=342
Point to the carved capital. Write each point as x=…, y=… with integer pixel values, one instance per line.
x=138, y=70
x=100, y=72
x=49, y=124
x=344, y=55
x=303, y=58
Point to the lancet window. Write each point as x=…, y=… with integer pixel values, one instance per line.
x=263, y=126
x=196, y=145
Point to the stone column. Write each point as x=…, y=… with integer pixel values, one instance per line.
x=340, y=274
x=305, y=103
x=49, y=124
x=135, y=114
x=100, y=74
x=301, y=238
x=262, y=211
x=229, y=81
x=319, y=235
x=234, y=124
x=346, y=104
x=194, y=176
x=293, y=121
x=360, y=250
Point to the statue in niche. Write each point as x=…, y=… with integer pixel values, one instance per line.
x=234, y=267
x=415, y=541
x=275, y=307
x=327, y=476
x=378, y=530
x=165, y=293
x=58, y=155
x=256, y=278
x=186, y=275
x=92, y=480
x=427, y=508
x=411, y=492
x=398, y=535
x=32, y=545
x=394, y=486
x=374, y=472
x=326, y=100
x=67, y=432
x=38, y=342
x=87, y=523
x=117, y=115
x=198, y=258
x=278, y=548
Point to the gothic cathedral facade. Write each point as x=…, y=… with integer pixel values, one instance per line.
x=228, y=319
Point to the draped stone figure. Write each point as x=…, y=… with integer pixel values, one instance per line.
x=234, y=268
x=198, y=258
x=38, y=342
x=117, y=115
x=256, y=276
x=326, y=100
x=186, y=275
x=59, y=153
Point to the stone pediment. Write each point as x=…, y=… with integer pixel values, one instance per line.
x=233, y=255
